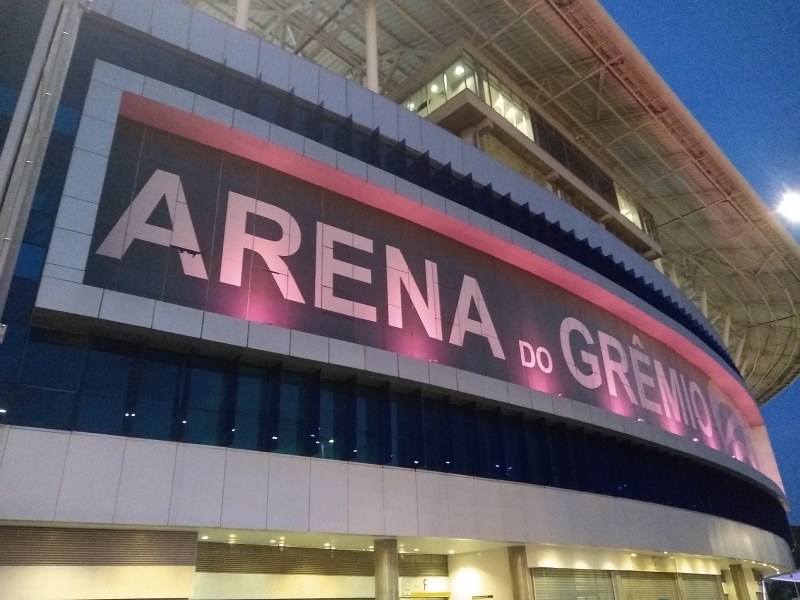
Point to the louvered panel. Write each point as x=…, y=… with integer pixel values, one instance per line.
x=242, y=558
x=649, y=586
x=701, y=587
x=422, y=565
x=571, y=584
x=63, y=546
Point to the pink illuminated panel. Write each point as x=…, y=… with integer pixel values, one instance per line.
x=239, y=228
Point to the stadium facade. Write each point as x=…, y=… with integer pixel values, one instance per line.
x=492, y=326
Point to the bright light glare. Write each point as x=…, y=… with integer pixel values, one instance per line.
x=434, y=88
x=790, y=206
x=459, y=70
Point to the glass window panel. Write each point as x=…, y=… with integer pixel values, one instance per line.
x=160, y=378
x=628, y=207
x=465, y=439
x=369, y=403
x=539, y=463
x=514, y=448
x=202, y=427
x=333, y=397
x=417, y=102
x=490, y=434
x=459, y=77
x=100, y=414
x=107, y=370
x=52, y=359
x=408, y=429
x=580, y=461
x=559, y=452
x=289, y=423
x=248, y=408
x=597, y=461
x=436, y=93
x=152, y=420
x=36, y=407
x=157, y=390
x=207, y=384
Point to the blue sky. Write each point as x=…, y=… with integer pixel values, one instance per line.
x=736, y=65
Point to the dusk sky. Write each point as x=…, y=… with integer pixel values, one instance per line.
x=736, y=65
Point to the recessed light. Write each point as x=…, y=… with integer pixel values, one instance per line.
x=633, y=554
x=451, y=551
x=434, y=88
x=272, y=541
x=416, y=549
x=459, y=70
x=204, y=537
x=327, y=544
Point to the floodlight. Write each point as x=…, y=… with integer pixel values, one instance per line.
x=790, y=206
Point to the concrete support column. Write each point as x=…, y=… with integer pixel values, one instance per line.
x=371, y=18
x=387, y=584
x=739, y=582
x=521, y=582
x=242, y=14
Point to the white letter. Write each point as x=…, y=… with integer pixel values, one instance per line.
x=686, y=405
x=328, y=266
x=397, y=272
x=642, y=379
x=619, y=367
x=698, y=402
x=523, y=347
x=594, y=379
x=669, y=395
x=542, y=352
x=237, y=240
x=132, y=225
x=470, y=292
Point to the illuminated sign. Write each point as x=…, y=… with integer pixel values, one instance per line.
x=188, y=224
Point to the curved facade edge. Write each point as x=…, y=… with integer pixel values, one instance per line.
x=167, y=318
x=106, y=480
x=288, y=152
x=450, y=149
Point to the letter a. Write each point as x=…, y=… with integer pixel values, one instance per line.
x=470, y=292
x=133, y=225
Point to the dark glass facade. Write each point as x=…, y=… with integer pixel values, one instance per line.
x=101, y=385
